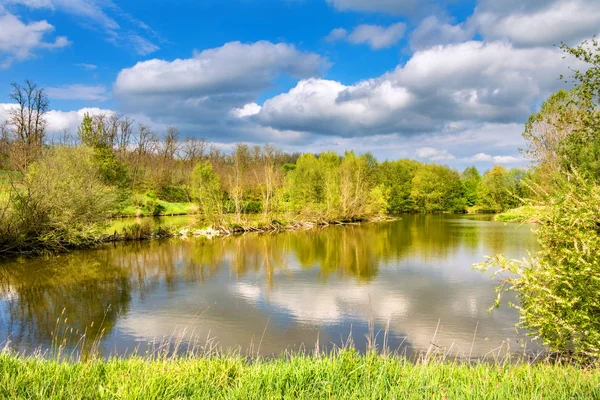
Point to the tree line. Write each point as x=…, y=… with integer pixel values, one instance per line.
x=141, y=167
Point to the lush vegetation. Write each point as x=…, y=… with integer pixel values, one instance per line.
x=558, y=286
x=341, y=375
x=56, y=194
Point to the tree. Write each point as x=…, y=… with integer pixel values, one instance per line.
x=558, y=286
x=494, y=191
x=580, y=149
x=26, y=122
x=437, y=188
x=61, y=202
x=396, y=177
x=94, y=134
x=207, y=190
x=471, y=180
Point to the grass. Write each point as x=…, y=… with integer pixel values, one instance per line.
x=343, y=374
x=524, y=214
x=146, y=205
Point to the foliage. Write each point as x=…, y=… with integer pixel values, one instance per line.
x=61, y=202
x=558, y=286
x=437, y=188
x=207, y=189
x=471, y=179
x=580, y=148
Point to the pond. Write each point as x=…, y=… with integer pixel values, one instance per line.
x=268, y=293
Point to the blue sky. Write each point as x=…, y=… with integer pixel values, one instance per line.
x=442, y=81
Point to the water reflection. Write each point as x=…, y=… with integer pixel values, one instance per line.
x=280, y=290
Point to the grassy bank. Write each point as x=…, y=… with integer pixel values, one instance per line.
x=343, y=375
x=524, y=214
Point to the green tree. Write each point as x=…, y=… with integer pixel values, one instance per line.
x=580, y=149
x=494, y=192
x=396, y=177
x=558, y=286
x=61, y=202
x=94, y=134
x=437, y=188
x=471, y=180
x=207, y=190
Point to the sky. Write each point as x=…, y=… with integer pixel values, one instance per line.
x=444, y=81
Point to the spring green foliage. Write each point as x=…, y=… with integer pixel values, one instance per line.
x=437, y=188
x=60, y=202
x=207, y=189
x=344, y=375
x=471, y=180
x=558, y=286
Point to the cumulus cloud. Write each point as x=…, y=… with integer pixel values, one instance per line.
x=328, y=107
x=376, y=36
x=20, y=41
x=233, y=67
x=206, y=89
x=483, y=157
x=246, y=111
x=537, y=22
x=78, y=92
x=432, y=154
x=471, y=81
x=433, y=31
x=59, y=121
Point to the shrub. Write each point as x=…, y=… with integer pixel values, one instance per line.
x=558, y=286
x=173, y=194
x=61, y=201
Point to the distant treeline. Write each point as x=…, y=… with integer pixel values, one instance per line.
x=60, y=190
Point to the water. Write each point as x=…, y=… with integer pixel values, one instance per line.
x=267, y=293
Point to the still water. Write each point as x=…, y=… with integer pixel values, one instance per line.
x=266, y=293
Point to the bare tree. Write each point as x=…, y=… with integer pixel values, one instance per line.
x=26, y=122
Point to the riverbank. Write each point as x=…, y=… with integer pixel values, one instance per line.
x=525, y=215
x=345, y=374
x=144, y=231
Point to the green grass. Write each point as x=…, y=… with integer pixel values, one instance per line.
x=344, y=375
x=524, y=214
x=144, y=206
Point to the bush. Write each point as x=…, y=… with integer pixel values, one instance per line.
x=558, y=286
x=174, y=194
x=61, y=201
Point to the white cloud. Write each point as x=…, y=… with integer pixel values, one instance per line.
x=234, y=67
x=59, y=121
x=246, y=111
x=432, y=31
x=118, y=27
x=337, y=34
x=537, y=23
x=20, y=40
x=472, y=81
x=483, y=157
x=328, y=107
x=432, y=154
x=376, y=36
x=78, y=92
